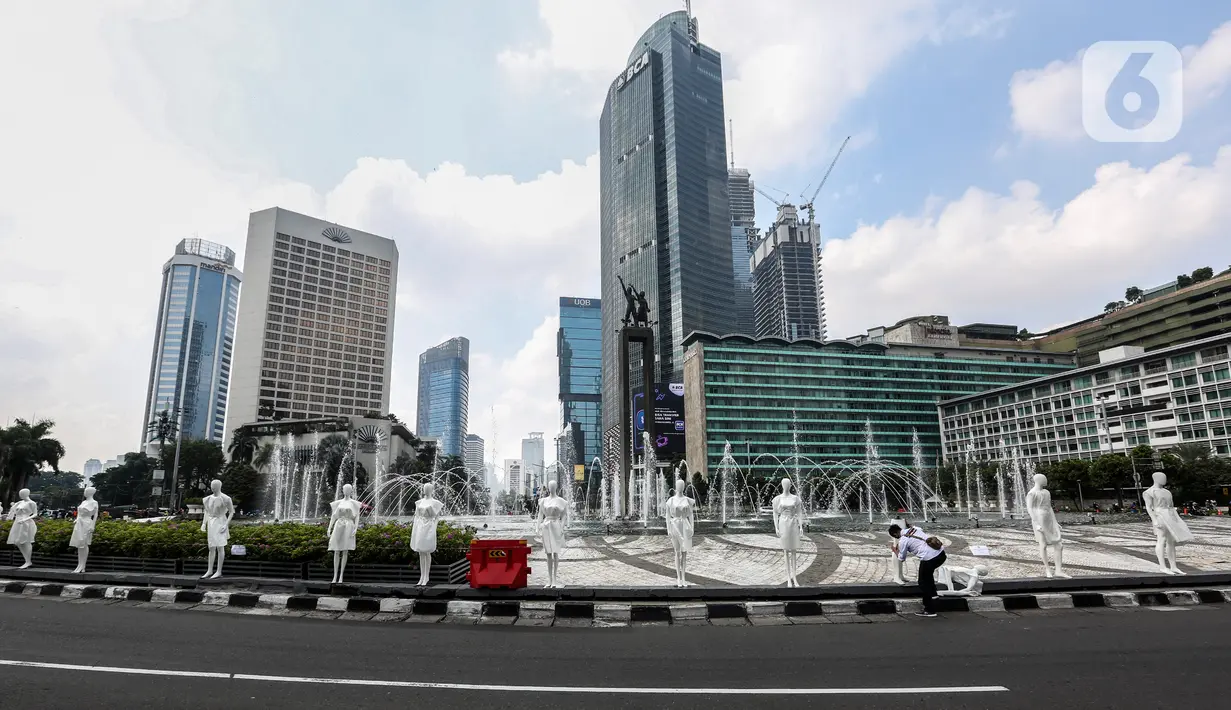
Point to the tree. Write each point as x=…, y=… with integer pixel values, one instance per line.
x=243, y=446
x=162, y=427
x=1205, y=273
x=1024, y=334
x=330, y=454
x=1183, y=281
x=1113, y=306
x=1191, y=453
x=263, y=457
x=201, y=461
x=127, y=484
x=57, y=490
x=241, y=481
x=1132, y=294
x=1113, y=471
x=25, y=450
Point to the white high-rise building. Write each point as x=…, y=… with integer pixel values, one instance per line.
x=92, y=466
x=473, y=454
x=532, y=463
x=190, y=369
x=315, y=333
x=513, y=479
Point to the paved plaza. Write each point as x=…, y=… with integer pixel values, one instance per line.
x=863, y=557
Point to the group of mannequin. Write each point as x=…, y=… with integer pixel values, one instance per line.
x=553, y=518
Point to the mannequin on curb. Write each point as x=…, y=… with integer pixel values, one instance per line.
x=23, y=530
x=343, y=523
x=1169, y=529
x=423, y=531
x=970, y=579
x=680, y=525
x=217, y=526
x=83, y=529
x=1046, y=529
x=553, y=519
x=788, y=526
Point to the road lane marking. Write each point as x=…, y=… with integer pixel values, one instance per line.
x=512, y=688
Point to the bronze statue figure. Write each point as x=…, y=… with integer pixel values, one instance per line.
x=636, y=307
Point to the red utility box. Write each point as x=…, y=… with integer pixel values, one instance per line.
x=498, y=564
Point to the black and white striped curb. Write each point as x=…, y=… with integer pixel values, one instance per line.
x=579, y=613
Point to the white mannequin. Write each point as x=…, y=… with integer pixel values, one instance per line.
x=899, y=565
x=1046, y=529
x=788, y=526
x=423, y=530
x=553, y=518
x=1169, y=528
x=680, y=525
x=83, y=528
x=21, y=534
x=217, y=526
x=971, y=578
x=343, y=523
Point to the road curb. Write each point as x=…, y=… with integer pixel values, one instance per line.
x=575, y=613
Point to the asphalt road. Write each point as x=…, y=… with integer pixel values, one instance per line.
x=1072, y=659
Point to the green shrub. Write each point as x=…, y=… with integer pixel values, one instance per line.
x=384, y=543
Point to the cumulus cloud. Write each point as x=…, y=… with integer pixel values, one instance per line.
x=988, y=256
x=96, y=191
x=1046, y=102
x=789, y=66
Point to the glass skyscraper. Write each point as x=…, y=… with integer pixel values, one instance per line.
x=665, y=222
x=190, y=371
x=444, y=394
x=743, y=241
x=579, y=350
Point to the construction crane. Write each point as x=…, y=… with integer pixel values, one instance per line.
x=808, y=205
x=771, y=198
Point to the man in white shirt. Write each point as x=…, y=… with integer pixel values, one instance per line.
x=913, y=542
x=899, y=576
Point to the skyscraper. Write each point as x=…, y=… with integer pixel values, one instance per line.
x=444, y=394
x=474, y=455
x=92, y=466
x=190, y=370
x=579, y=351
x=533, y=465
x=665, y=221
x=513, y=482
x=786, y=279
x=315, y=335
x=743, y=241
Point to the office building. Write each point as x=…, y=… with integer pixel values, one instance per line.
x=762, y=395
x=579, y=351
x=1160, y=398
x=473, y=455
x=665, y=219
x=514, y=480
x=444, y=394
x=91, y=467
x=744, y=238
x=190, y=370
x=789, y=300
x=532, y=460
x=315, y=334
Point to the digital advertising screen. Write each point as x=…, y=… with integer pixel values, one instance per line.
x=668, y=420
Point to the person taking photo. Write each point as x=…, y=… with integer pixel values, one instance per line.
x=931, y=553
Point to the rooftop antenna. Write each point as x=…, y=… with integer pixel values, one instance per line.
x=692, y=23
x=731, y=139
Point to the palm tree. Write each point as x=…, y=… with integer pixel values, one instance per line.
x=163, y=427
x=263, y=457
x=25, y=449
x=243, y=446
x=1191, y=452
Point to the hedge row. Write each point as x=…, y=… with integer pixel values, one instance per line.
x=383, y=543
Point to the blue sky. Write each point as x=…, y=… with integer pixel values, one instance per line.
x=467, y=130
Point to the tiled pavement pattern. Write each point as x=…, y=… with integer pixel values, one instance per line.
x=863, y=557
x=599, y=614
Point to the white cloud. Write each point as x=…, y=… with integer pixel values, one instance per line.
x=96, y=191
x=1011, y=258
x=1046, y=102
x=790, y=66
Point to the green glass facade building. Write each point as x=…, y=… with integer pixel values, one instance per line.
x=759, y=393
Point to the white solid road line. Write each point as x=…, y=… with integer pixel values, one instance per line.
x=515, y=688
